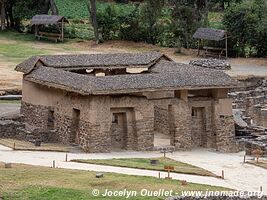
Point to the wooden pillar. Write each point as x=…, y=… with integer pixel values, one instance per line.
x=3, y=15
x=36, y=30
x=226, y=46
x=62, y=30
x=198, y=50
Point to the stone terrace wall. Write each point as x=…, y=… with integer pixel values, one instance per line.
x=252, y=101
x=11, y=129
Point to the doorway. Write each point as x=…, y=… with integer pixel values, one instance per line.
x=199, y=135
x=75, y=135
x=119, y=131
x=51, y=119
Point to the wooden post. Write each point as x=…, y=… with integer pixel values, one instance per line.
x=54, y=164
x=66, y=157
x=260, y=188
x=36, y=30
x=226, y=46
x=222, y=174
x=159, y=174
x=14, y=146
x=62, y=30
x=198, y=50
x=244, y=158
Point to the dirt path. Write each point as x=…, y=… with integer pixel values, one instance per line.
x=238, y=176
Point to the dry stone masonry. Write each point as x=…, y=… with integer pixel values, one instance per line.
x=212, y=63
x=250, y=108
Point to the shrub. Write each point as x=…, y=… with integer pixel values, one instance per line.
x=246, y=23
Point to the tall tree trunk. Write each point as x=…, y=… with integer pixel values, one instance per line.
x=45, y=5
x=3, y=15
x=53, y=7
x=11, y=17
x=92, y=13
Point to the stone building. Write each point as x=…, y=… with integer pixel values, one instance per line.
x=119, y=101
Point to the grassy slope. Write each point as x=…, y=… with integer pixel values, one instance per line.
x=17, y=46
x=261, y=163
x=28, y=146
x=144, y=163
x=23, y=182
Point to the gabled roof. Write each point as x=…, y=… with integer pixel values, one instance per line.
x=47, y=19
x=165, y=75
x=210, y=34
x=90, y=61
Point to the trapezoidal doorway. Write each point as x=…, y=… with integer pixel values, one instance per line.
x=118, y=131
x=75, y=136
x=199, y=134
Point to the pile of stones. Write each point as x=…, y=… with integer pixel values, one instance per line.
x=211, y=63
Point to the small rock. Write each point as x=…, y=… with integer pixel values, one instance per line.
x=99, y=175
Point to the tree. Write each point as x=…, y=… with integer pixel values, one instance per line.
x=246, y=24
x=16, y=10
x=3, y=14
x=92, y=13
x=46, y=5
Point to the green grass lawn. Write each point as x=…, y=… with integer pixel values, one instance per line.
x=18, y=46
x=25, y=182
x=10, y=101
x=144, y=163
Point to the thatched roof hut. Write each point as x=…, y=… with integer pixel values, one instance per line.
x=39, y=20
x=47, y=19
x=211, y=35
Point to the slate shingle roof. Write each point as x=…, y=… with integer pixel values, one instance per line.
x=92, y=61
x=47, y=19
x=209, y=34
x=165, y=75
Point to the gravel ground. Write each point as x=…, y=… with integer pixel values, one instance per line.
x=237, y=175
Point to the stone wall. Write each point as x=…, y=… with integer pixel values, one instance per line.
x=224, y=130
x=180, y=125
x=252, y=101
x=143, y=116
x=11, y=129
x=35, y=115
